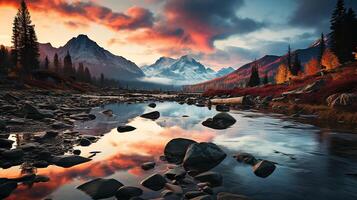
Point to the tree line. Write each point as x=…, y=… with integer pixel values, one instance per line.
x=23, y=58
x=342, y=48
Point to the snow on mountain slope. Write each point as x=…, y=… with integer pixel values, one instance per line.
x=97, y=59
x=185, y=70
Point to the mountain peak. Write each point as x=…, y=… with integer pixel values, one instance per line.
x=187, y=58
x=83, y=37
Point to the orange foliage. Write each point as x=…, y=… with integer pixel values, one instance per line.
x=283, y=74
x=330, y=60
x=312, y=67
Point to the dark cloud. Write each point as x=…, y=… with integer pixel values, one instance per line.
x=316, y=13
x=212, y=19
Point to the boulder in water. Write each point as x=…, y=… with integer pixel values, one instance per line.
x=128, y=192
x=126, y=128
x=100, y=188
x=175, y=149
x=67, y=161
x=264, y=168
x=154, y=182
x=152, y=115
x=215, y=179
x=152, y=105
x=202, y=157
x=220, y=121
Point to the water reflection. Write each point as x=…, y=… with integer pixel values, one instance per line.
x=321, y=157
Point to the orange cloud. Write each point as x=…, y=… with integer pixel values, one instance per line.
x=88, y=12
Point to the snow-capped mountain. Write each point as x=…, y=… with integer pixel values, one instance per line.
x=180, y=71
x=97, y=59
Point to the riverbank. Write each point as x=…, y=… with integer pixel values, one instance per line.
x=331, y=97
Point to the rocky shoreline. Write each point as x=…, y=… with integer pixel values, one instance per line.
x=43, y=122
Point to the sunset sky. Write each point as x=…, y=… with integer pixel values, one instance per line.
x=219, y=33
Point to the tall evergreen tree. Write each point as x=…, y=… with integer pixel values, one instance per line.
x=266, y=79
x=87, y=76
x=5, y=60
x=254, y=79
x=33, y=49
x=15, y=39
x=25, y=45
x=322, y=46
x=46, y=64
x=67, y=65
x=296, y=67
x=337, y=31
x=56, y=64
x=80, y=72
x=101, y=79
x=350, y=30
x=289, y=58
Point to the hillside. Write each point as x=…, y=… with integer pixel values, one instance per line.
x=97, y=59
x=266, y=65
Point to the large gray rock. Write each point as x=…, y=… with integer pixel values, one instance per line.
x=215, y=179
x=229, y=196
x=100, y=188
x=264, y=168
x=67, y=161
x=154, y=182
x=128, y=192
x=202, y=157
x=175, y=149
x=220, y=121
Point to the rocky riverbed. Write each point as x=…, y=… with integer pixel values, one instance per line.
x=45, y=131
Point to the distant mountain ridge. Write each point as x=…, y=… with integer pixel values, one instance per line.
x=185, y=70
x=97, y=59
x=266, y=65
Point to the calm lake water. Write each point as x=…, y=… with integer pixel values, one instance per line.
x=313, y=163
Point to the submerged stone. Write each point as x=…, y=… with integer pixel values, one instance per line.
x=100, y=188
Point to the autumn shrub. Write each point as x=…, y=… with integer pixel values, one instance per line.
x=330, y=60
x=312, y=67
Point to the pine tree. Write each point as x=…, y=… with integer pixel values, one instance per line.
x=322, y=46
x=87, y=76
x=15, y=39
x=350, y=30
x=56, y=64
x=296, y=67
x=254, y=79
x=80, y=72
x=25, y=45
x=337, y=30
x=5, y=60
x=289, y=58
x=266, y=79
x=101, y=79
x=47, y=63
x=33, y=50
x=68, y=66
